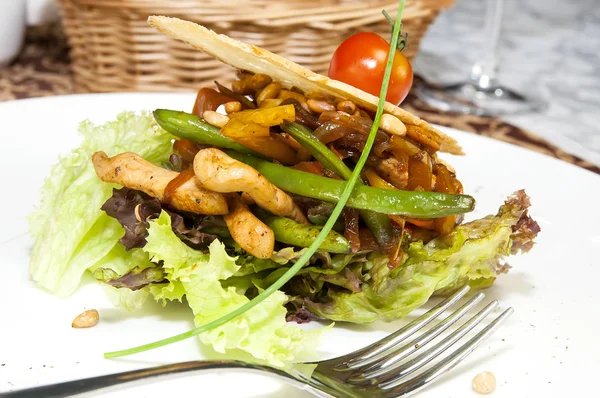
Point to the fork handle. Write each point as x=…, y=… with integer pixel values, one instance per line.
x=80, y=386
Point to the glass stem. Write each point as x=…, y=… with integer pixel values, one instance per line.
x=483, y=72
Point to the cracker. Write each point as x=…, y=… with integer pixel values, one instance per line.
x=257, y=60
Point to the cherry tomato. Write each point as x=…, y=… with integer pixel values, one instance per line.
x=360, y=61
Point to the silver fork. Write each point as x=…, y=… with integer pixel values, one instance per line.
x=378, y=370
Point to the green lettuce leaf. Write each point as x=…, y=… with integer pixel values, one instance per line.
x=261, y=332
x=71, y=233
x=472, y=254
x=130, y=300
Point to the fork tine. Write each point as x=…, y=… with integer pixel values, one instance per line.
x=377, y=350
x=415, y=384
x=391, y=361
x=426, y=357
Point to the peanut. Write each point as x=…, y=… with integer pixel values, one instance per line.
x=214, y=118
x=86, y=319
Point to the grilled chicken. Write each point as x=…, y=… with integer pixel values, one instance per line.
x=132, y=171
x=247, y=230
x=220, y=173
x=394, y=171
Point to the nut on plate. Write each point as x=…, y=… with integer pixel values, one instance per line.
x=484, y=383
x=86, y=319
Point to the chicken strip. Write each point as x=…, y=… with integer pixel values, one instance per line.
x=247, y=230
x=221, y=173
x=394, y=171
x=132, y=171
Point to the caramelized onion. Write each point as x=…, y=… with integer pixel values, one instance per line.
x=419, y=172
x=272, y=147
x=209, y=100
x=336, y=152
x=444, y=183
x=399, y=144
x=368, y=241
x=175, y=183
x=357, y=123
x=186, y=149
x=351, y=228
x=381, y=148
x=331, y=131
x=360, y=126
x=302, y=116
x=309, y=167
x=238, y=97
x=303, y=153
x=425, y=224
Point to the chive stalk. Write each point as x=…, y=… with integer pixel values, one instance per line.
x=320, y=238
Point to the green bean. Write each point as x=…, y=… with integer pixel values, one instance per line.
x=191, y=127
x=320, y=214
x=379, y=224
x=317, y=149
x=387, y=201
x=303, y=235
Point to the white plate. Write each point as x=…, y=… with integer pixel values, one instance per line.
x=548, y=347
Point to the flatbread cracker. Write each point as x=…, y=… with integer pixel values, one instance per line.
x=257, y=60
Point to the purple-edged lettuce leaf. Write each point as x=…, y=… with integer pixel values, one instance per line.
x=474, y=253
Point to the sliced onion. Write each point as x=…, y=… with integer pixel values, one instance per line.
x=351, y=228
x=331, y=131
x=175, y=183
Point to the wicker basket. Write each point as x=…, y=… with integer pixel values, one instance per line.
x=114, y=49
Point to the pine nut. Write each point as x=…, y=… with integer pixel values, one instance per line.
x=214, y=118
x=392, y=125
x=86, y=319
x=319, y=106
x=347, y=106
x=260, y=81
x=233, y=106
x=484, y=383
x=271, y=91
x=242, y=87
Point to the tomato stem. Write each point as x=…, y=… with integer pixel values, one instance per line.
x=402, y=38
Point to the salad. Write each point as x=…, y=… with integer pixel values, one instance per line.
x=236, y=200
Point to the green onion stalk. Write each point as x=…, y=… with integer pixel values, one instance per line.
x=320, y=238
